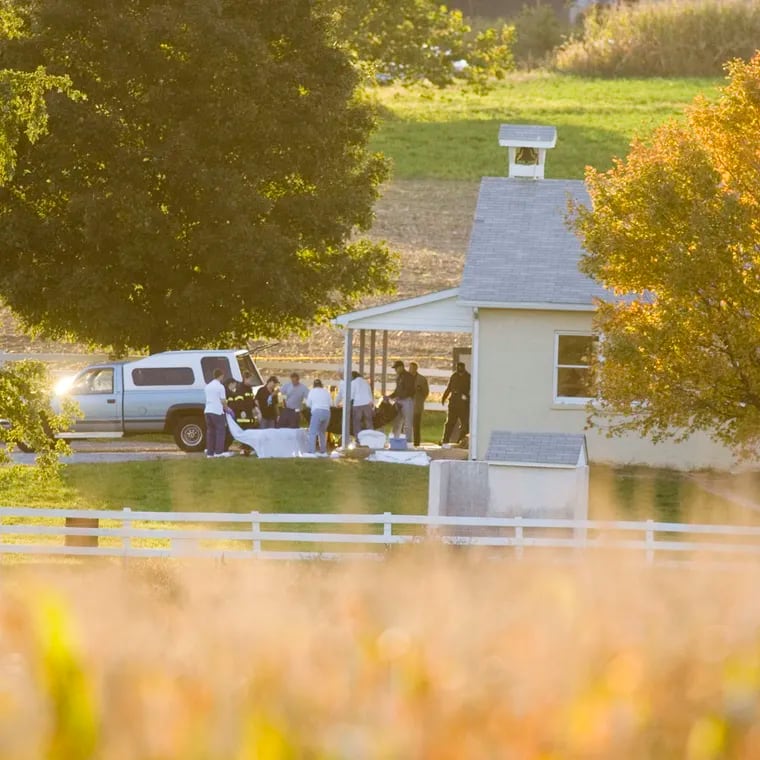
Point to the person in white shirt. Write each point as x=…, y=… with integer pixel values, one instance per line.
x=362, y=404
x=319, y=401
x=216, y=425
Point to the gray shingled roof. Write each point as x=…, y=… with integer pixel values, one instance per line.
x=527, y=134
x=521, y=250
x=535, y=448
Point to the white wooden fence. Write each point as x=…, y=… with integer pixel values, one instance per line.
x=130, y=533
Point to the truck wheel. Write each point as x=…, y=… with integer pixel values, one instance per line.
x=190, y=433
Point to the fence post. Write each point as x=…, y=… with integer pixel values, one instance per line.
x=649, y=541
x=387, y=527
x=256, y=532
x=519, y=538
x=126, y=523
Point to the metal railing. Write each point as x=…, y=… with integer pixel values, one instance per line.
x=292, y=536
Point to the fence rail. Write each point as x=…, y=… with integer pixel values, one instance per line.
x=128, y=533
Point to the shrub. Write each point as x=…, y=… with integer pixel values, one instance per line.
x=538, y=31
x=671, y=38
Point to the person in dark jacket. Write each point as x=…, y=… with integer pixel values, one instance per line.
x=458, y=395
x=249, y=402
x=268, y=402
x=421, y=392
x=404, y=397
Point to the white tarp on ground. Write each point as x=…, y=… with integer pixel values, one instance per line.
x=400, y=457
x=374, y=439
x=280, y=442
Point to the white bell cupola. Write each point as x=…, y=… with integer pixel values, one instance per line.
x=527, y=146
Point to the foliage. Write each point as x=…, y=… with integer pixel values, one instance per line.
x=419, y=40
x=207, y=189
x=25, y=395
x=452, y=135
x=425, y=655
x=677, y=223
x=538, y=32
x=24, y=113
x=670, y=38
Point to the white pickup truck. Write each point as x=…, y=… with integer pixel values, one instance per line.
x=160, y=393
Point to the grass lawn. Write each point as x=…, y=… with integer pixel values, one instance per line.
x=243, y=485
x=452, y=134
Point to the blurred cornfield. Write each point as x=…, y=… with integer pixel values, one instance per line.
x=664, y=38
x=442, y=655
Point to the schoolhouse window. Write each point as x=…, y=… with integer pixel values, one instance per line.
x=573, y=374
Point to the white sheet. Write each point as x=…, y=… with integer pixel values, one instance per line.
x=400, y=457
x=375, y=439
x=282, y=442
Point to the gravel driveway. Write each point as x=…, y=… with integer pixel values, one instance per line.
x=118, y=450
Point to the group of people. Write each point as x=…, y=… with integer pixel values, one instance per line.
x=411, y=392
x=275, y=406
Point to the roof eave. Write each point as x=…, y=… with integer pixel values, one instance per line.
x=528, y=306
x=386, y=308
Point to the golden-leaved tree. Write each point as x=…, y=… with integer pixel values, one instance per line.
x=674, y=234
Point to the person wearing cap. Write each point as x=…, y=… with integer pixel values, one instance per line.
x=404, y=397
x=268, y=403
x=294, y=395
x=458, y=395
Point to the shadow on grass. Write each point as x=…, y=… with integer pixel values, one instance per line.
x=468, y=149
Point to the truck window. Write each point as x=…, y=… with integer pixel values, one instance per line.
x=94, y=381
x=210, y=363
x=246, y=365
x=142, y=376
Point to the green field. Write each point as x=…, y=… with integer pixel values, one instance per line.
x=452, y=134
x=244, y=484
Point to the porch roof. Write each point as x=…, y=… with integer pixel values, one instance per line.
x=433, y=312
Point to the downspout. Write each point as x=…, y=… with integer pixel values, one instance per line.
x=474, y=384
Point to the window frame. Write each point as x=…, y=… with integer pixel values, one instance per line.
x=211, y=362
x=569, y=400
x=91, y=373
x=156, y=370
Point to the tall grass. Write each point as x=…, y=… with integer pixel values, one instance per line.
x=671, y=38
x=425, y=656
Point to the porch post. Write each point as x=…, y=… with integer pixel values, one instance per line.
x=348, y=349
x=474, y=382
x=372, y=338
x=362, y=345
x=385, y=362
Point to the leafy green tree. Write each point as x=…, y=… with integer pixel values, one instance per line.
x=25, y=386
x=677, y=225
x=208, y=188
x=419, y=40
